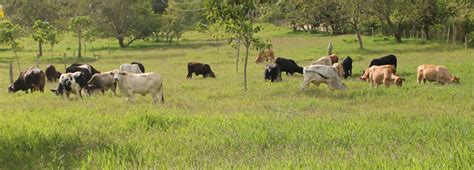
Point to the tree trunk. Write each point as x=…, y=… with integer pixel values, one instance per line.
x=10, y=71
x=447, y=35
x=247, y=46
x=79, y=41
x=40, y=48
x=121, y=43
x=359, y=38
x=426, y=29
x=394, y=30
x=238, y=55
x=85, y=49
x=454, y=34
x=52, y=50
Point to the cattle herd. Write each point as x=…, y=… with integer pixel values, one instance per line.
x=83, y=79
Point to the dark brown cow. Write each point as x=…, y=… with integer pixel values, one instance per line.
x=199, y=69
x=51, y=74
x=32, y=79
x=267, y=55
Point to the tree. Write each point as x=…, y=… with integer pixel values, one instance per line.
x=9, y=34
x=79, y=24
x=356, y=10
x=126, y=20
x=27, y=12
x=238, y=22
x=43, y=32
x=393, y=12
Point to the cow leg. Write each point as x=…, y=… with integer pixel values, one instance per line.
x=304, y=84
x=190, y=75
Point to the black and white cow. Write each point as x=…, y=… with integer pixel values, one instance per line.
x=32, y=79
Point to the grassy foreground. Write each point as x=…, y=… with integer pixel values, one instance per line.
x=213, y=123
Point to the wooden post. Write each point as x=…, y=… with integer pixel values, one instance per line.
x=454, y=34
x=447, y=35
x=64, y=61
x=465, y=41
x=330, y=48
x=11, y=71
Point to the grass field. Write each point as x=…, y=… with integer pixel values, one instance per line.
x=213, y=123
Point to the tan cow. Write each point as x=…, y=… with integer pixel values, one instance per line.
x=384, y=75
x=339, y=69
x=436, y=73
x=326, y=60
x=265, y=55
x=365, y=75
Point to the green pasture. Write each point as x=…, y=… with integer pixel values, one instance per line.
x=213, y=123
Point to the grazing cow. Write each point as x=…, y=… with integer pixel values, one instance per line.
x=32, y=79
x=199, y=69
x=334, y=58
x=339, y=69
x=68, y=83
x=273, y=72
x=86, y=73
x=131, y=68
x=144, y=83
x=385, y=60
x=366, y=73
x=142, y=68
x=326, y=61
x=318, y=74
x=51, y=74
x=102, y=82
x=265, y=55
x=288, y=66
x=384, y=75
x=347, y=65
x=436, y=73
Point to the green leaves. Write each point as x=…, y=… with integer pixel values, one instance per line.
x=9, y=33
x=44, y=32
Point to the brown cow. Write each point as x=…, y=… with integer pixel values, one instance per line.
x=384, y=75
x=51, y=74
x=265, y=55
x=436, y=73
x=339, y=69
x=32, y=79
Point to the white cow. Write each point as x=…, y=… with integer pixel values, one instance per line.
x=143, y=83
x=318, y=74
x=131, y=68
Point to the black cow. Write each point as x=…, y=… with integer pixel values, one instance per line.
x=273, y=73
x=32, y=79
x=200, y=69
x=347, y=66
x=288, y=66
x=51, y=74
x=385, y=60
x=140, y=65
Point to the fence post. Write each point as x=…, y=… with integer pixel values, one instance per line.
x=330, y=47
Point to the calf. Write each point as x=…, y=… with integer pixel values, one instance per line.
x=385, y=60
x=199, y=69
x=144, y=83
x=288, y=66
x=131, y=68
x=32, y=79
x=273, y=73
x=318, y=74
x=265, y=55
x=347, y=66
x=51, y=74
x=102, y=82
x=140, y=65
x=384, y=75
x=436, y=73
x=86, y=73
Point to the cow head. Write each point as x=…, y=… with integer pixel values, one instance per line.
x=399, y=81
x=212, y=75
x=12, y=89
x=455, y=80
x=118, y=74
